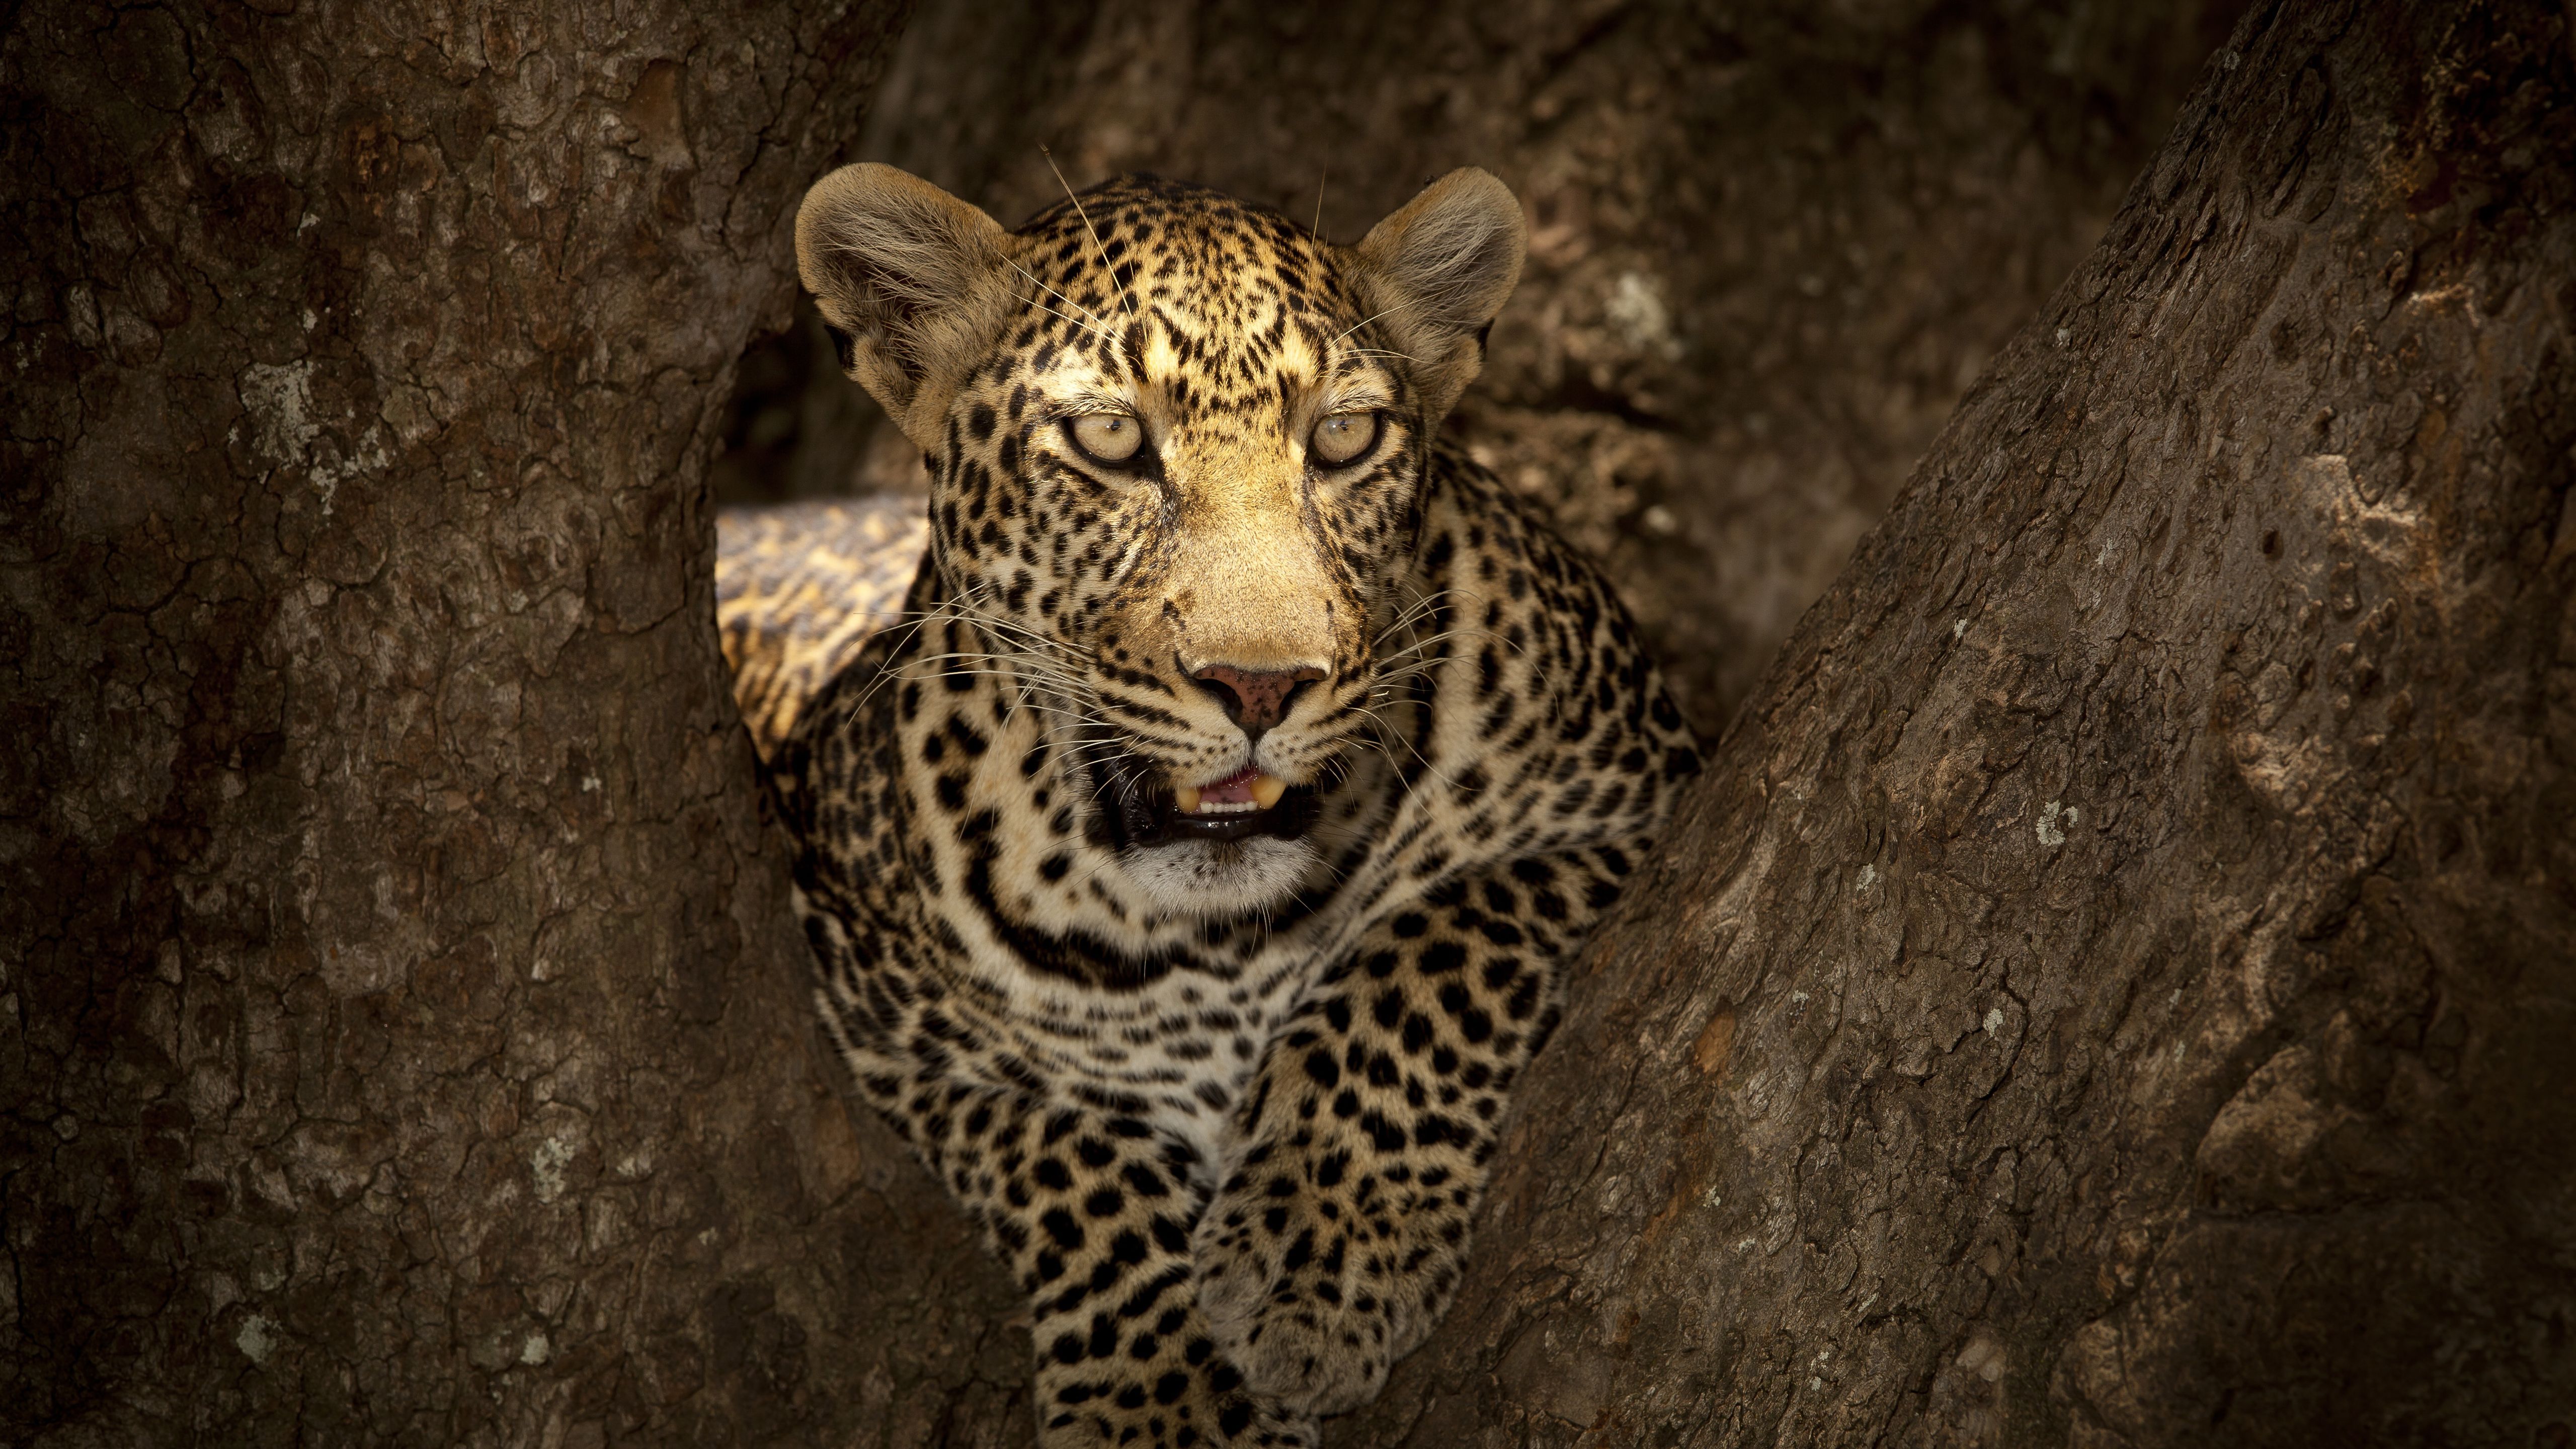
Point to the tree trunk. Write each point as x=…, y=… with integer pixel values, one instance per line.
x=2113, y=986
x=405, y=1039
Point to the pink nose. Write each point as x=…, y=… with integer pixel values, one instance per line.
x=1256, y=700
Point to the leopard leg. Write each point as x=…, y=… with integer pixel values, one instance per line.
x=1337, y=1238
x=1091, y=1212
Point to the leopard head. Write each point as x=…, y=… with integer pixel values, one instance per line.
x=1177, y=447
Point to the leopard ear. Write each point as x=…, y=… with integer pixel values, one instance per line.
x=908, y=278
x=1439, y=270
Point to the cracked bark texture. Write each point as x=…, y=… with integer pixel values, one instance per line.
x=2113, y=986
x=1771, y=243
x=402, y=1037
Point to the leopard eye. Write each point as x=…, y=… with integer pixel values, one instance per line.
x=1106, y=437
x=1343, y=437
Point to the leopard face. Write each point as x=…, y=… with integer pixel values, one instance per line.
x=1177, y=447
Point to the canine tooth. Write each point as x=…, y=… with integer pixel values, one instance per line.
x=1266, y=790
x=1185, y=798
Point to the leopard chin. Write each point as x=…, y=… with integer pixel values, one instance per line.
x=1219, y=879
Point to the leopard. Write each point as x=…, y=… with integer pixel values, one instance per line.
x=1194, y=854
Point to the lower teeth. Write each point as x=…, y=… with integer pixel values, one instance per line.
x=1266, y=791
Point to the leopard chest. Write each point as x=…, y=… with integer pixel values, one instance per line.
x=1177, y=1052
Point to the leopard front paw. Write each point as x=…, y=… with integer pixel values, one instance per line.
x=1302, y=1308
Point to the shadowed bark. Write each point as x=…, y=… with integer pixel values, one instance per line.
x=2113, y=986
x=401, y=1031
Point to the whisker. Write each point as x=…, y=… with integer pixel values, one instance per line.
x=1425, y=604
x=1098, y=320
x=1364, y=321
x=1069, y=317
x=1428, y=768
x=1097, y=249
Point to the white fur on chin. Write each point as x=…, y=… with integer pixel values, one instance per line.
x=1214, y=878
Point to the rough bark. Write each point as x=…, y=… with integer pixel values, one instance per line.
x=401, y=1032
x=1771, y=243
x=2114, y=984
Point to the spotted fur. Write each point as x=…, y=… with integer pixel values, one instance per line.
x=1224, y=1108
x=800, y=589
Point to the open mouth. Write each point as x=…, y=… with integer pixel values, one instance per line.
x=1244, y=804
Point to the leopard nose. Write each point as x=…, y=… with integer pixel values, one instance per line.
x=1255, y=699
